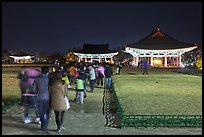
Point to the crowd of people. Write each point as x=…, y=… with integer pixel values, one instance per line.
x=44, y=90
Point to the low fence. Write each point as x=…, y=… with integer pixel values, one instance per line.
x=127, y=120
x=8, y=105
x=162, y=120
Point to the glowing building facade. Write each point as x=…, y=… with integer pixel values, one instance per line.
x=160, y=49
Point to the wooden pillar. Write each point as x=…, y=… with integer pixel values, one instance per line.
x=137, y=60
x=99, y=59
x=151, y=62
x=111, y=59
x=134, y=61
x=91, y=59
x=165, y=61
x=176, y=62
x=179, y=60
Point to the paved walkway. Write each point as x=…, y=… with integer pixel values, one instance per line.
x=86, y=119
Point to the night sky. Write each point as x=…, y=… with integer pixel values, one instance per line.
x=55, y=27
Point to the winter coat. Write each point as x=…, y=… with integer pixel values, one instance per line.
x=80, y=85
x=108, y=72
x=58, y=91
x=27, y=88
x=145, y=64
x=92, y=73
x=66, y=79
x=41, y=86
x=101, y=70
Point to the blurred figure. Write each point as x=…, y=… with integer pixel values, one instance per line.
x=28, y=94
x=72, y=71
x=100, y=74
x=118, y=68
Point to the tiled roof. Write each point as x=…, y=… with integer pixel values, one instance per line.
x=158, y=40
x=95, y=49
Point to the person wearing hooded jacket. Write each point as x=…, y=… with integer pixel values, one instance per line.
x=92, y=78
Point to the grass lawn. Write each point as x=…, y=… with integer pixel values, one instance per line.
x=161, y=92
x=11, y=91
x=10, y=88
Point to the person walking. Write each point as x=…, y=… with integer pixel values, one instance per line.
x=83, y=74
x=28, y=95
x=108, y=76
x=92, y=78
x=145, y=66
x=80, y=89
x=101, y=75
x=118, y=68
x=58, y=90
x=41, y=85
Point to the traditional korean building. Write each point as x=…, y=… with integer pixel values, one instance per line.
x=96, y=52
x=21, y=59
x=160, y=49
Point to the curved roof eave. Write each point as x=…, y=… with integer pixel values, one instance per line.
x=161, y=47
x=158, y=40
x=96, y=52
x=175, y=49
x=22, y=57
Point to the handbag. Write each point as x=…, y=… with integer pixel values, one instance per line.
x=67, y=102
x=69, y=86
x=84, y=94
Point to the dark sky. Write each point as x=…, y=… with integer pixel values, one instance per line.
x=57, y=26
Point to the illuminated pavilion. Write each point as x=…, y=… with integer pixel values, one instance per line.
x=160, y=49
x=96, y=52
x=22, y=59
